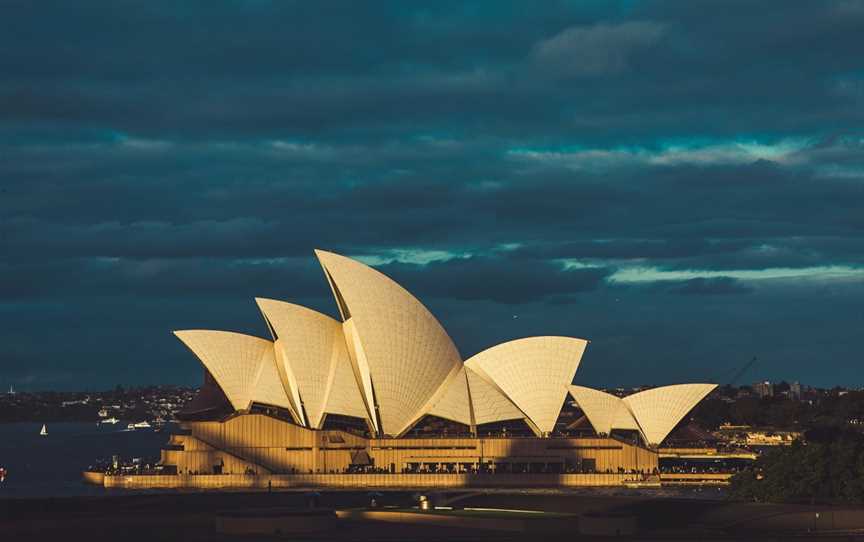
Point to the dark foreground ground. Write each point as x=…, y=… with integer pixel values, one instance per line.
x=192, y=517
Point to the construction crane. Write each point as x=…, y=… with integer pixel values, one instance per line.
x=738, y=374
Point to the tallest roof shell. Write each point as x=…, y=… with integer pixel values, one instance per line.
x=409, y=354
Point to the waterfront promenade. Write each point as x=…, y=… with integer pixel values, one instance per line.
x=280, y=481
x=399, y=481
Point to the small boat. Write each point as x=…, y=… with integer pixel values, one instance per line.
x=44, y=431
x=112, y=421
x=139, y=425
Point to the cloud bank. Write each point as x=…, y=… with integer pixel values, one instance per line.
x=681, y=183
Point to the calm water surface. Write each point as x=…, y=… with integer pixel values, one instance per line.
x=51, y=466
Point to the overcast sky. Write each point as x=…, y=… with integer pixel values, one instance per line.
x=681, y=183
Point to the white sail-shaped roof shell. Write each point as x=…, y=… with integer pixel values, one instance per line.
x=268, y=388
x=488, y=402
x=343, y=392
x=390, y=363
x=242, y=365
x=289, y=382
x=659, y=410
x=312, y=353
x=360, y=368
x=408, y=353
x=454, y=403
x=605, y=411
x=534, y=373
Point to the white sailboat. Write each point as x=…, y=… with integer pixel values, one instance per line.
x=44, y=431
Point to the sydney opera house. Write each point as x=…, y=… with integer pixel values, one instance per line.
x=385, y=391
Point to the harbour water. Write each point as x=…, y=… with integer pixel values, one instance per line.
x=51, y=465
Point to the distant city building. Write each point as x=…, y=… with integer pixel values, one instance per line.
x=764, y=389
x=770, y=438
x=744, y=392
x=795, y=390
x=744, y=435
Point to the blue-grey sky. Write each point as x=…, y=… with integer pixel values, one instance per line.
x=682, y=183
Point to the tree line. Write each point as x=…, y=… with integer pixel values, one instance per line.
x=826, y=467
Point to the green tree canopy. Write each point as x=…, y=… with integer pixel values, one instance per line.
x=828, y=467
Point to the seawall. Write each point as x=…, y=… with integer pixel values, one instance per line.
x=362, y=481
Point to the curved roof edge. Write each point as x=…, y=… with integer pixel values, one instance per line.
x=604, y=410
x=407, y=352
x=243, y=366
x=308, y=343
x=344, y=396
x=451, y=402
x=533, y=372
x=489, y=404
x=360, y=368
x=659, y=410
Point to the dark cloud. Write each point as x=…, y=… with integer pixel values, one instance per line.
x=90, y=278
x=523, y=169
x=628, y=249
x=340, y=68
x=596, y=50
x=501, y=280
x=711, y=286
